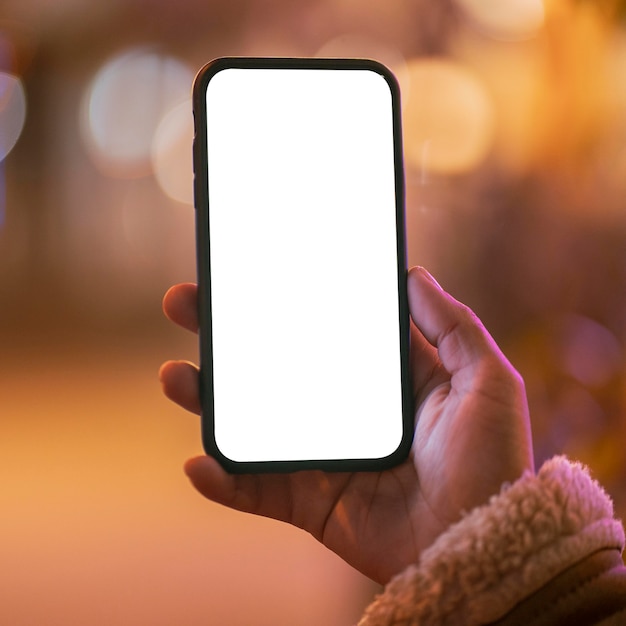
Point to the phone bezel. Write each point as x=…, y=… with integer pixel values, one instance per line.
x=201, y=202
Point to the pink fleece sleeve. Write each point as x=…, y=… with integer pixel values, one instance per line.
x=501, y=553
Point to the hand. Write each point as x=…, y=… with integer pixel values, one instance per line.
x=472, y=435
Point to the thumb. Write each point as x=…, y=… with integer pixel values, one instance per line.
x=459, y=336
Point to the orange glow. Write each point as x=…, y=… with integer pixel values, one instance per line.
x=447, y=118
x=573, y=103
x=510, y=20
x=100, y=525
x=511, y=73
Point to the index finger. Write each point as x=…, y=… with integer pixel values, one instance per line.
x=180, y=304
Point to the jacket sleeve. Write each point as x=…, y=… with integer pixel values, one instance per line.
x=546, y=547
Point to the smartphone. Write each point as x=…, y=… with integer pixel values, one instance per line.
x=304, y=327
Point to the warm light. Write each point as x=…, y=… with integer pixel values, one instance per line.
x=171, y=154
x=448, y=118
x=506, y=19
x=12, y=112
x=124, y=105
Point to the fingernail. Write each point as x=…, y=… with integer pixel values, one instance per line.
x=429, y=276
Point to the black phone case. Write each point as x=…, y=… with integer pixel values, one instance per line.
x=202, y=206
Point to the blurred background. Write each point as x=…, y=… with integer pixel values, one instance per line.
x=515, y=153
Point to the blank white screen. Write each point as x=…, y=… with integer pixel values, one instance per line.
x=302, y=222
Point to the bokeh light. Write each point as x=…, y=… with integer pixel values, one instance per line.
x=510, y=20
x=124, y=105
x=171, y=154
x=12, y=112
x=448, y=118
x=590, y=352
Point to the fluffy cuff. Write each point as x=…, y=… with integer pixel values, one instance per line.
x=500, y=553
